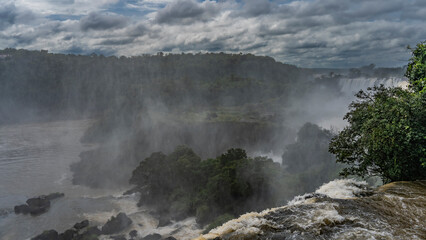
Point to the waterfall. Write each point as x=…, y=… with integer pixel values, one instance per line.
x=351, y=86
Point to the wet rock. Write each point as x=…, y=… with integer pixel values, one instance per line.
x=56, y=195
x=68, y=234
x=154, y=236
x=169, y=238
x=133, y=233
x=116, y=224
x=24, y=209
x=118, y=237
x=81, y=225
x=38, y=205
x=47, y=235
x=163, y=221
x=91, y=233
x=279, y=236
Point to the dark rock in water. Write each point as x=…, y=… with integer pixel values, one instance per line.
x=81, y=224
x=47, y=235
x=38, y=205
x=133, y=233
x=154, y=236
x=56, y=195
x=116, y=224
x=24, y=209
x=68, y=234
x=119, y=237
x=91, y=233
x=163, y=221
x=170, y=238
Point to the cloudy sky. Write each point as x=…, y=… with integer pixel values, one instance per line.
x=309, y=33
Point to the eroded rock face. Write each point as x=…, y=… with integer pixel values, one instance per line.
x=116, y=224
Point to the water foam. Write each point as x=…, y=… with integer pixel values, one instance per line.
x=320, y=214
x=343, y=188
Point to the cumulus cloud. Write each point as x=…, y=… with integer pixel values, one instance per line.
x=98, y=21
x=313, y=33
x=186, y=11
x=66, y=7
x=7, y=16
x=10, y=15
x=255, y=8
x=118, y=41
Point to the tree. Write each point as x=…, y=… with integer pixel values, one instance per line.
x=309, y=151
x=386, y=135
x=416, y=70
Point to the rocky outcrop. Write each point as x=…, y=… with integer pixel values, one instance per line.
x=80, y=231
x=69, y=234
x=154, y=236
x=37, y=205
x=47, y=235
x=81, y=224
x=118, y=237
x=116, y=224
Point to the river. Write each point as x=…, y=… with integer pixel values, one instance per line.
x=35, y=160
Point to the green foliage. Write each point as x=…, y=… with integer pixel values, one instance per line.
x=308, y=158
x=231, y=183
x=416, y=70
x=310, y=149
x=386, y=135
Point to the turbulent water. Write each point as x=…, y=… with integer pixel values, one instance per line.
x=341, y=209
x=35, y=159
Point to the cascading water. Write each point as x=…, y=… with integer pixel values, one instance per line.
x=326, y=108
x=353, y=85
x=340, y=209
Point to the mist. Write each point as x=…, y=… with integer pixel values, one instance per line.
x=281, y=115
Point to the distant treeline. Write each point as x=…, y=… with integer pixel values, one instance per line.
x=91, y=84
x=42, y=83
